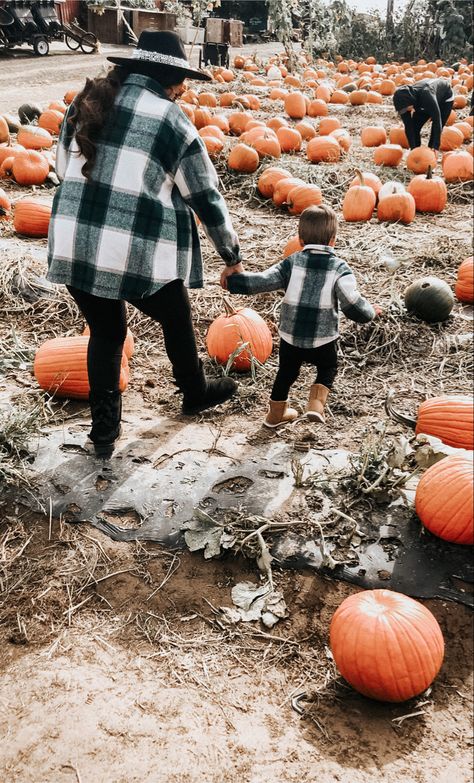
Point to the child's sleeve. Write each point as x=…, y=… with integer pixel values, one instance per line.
x=272, y=279
x=353, y=304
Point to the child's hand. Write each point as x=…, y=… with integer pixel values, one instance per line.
x=378, y=310
x=238, y=269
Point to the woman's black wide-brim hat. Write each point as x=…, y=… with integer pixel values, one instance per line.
x=160, y=52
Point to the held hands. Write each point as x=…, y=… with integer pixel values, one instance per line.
x=238, y=269
x=378, y=311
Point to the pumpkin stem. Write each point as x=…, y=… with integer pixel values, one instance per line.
x=396, y=415
x=229, y=310
x=361, y=177
x=429, y=173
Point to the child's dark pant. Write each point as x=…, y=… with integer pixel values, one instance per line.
x=292, y=358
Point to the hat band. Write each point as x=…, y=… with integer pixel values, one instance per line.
x=160, y=59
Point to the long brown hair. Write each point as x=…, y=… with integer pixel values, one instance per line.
x=92, y=107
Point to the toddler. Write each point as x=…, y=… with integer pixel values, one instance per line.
x=315, y=281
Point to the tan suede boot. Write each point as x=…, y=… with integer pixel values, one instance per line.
x=318, y=395
x=279, y=413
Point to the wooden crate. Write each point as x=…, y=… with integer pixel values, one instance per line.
x=108, y=27
x=234, y=32
x=215, y=30
x=144, y=19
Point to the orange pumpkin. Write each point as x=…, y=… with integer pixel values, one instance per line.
x=207, y=99
x=9, y=152
x=359, y=202
x=60, y=367
x=267, y=145
x=373, y=136
x=202, y=117
x=464, y=288
x=220, y=121
x=451, y=139
x=34, y=138
x=396, y=207
x=214, y=146
x=69, y=96
x=303, y=196
x=243, y=158
x=465, y=128
x=388, y=155
x=269, y=179
x=323, y=93
x=343, y=138
x=444, y=500
x=358, y=97
x=328, y=124
x=430, y=193
x=282, y=189
x=51, y=120
x=458, y=166
x=238, y=122
x=397, y=135
x=295, y=105
x=227, y=99
x=290, y=139
x=370, y=179
x=420, y=159
x=32, y=217
x=243, y=329
x=4, y=131
x=5, y=205
x=30, y=168
x=306, y=129
x=292, y=246
x=212, y=130
x=339, y=97
x=386, y=645
x=275, y=123
x=449, y=418
x=323, y=149
x=318, y=108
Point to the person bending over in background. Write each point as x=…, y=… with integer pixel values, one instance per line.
x=428, y=99
x=132, y=170
x=315, y=282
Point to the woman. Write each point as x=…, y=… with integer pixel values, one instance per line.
x=132, y=167
x=428, y=99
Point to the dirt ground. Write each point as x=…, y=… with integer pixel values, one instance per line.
x=116, y=666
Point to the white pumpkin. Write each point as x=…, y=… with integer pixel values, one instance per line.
x=391, y=187
x=274, y=72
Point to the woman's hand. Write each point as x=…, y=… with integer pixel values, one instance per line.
x=238, y=269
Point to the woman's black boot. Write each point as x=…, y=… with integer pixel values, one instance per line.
x=199, y=393
x=106, y=411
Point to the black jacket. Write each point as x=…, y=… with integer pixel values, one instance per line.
x=431, y=99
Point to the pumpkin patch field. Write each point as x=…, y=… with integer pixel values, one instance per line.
x=224, y=601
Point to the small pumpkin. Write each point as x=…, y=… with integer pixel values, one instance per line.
x=373, y=136
x=386, y=645
x=430, y=298
x=60, y=367
x=292, y=246
x=29, y=112
x=51, y=120
x=34, y=138
x=243, y=158
x=444, y=500
x=303, y=196
x=323, y=149
x=235, y=329
x=359, y=202
x=464, y=288
x=396, y=207
x=5, y=205
x=269, y=178
x=430, y=193
x=388, y=155
x=420, y=159
x=31, y=218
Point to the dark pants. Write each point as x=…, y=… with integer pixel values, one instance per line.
x=292, y=358
x=107, y=320
x=421, y=118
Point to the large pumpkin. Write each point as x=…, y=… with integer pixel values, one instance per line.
x=464, y=288
x=444, y=500
x=373, y=136
x=303, y=196
x=386, y=645
x=60, y=367
x=295, y=105
x=430, y=193
x=449, y=418
x=430, y=298
x=458, y=166
x=396, y=206
x=420, y=159
x=34, y=138
x=243, y=158
x=388, y=155
x=30, y=168
x=323, y=149
x=32, y=217
x=234, y=329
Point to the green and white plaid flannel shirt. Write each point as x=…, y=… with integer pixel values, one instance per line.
x=129, y=230
x=315, y=282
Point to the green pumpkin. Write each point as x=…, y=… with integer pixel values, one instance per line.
x=430, y=298
x=350, y=87
x=28, y=112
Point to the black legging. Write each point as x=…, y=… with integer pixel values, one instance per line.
x=107, y=320
x=421, y=118
x=292, y=358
